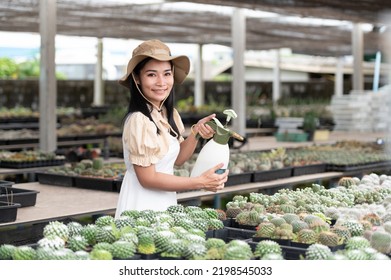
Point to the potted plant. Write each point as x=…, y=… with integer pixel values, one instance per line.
x=310, y=123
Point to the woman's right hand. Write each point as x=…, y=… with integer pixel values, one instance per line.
x=213, y=181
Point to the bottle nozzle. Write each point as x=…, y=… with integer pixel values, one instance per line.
x=237, y=136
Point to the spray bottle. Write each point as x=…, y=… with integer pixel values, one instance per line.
x=217, y=149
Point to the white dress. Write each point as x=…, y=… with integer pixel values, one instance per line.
x=133, y=196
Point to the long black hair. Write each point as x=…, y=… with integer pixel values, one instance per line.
x=137, y=103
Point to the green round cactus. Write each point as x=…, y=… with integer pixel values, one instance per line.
x=381, y=241
x=24, y=252
x=357, y=242
x=328, y=238
x=77, y=243
x=318, y=252
x=266, y=247
x=56, y=228
x=122, y=249
x=6, y=251
x=307, y=236
x=195, y=251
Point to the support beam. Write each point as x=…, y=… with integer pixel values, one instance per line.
x=277, y=77
x=47, y=78
x=238, y=94
x=358, y=54
x=338, y=80
x=98, y=79
x=199, y=89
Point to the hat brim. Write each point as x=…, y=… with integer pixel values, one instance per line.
x=181, y=67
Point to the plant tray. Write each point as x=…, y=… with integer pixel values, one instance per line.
x=24, y=197
x=262, y=176
x=230, y=233
x=6, y=183
x=29, y=164
x=8, y=212
x=55, y=179
x=241, y=178
x=308, y=169
x=94, y=183
x=358, y=167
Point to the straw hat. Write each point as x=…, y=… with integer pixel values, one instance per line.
x=159, y=51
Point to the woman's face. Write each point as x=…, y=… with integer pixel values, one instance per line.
x=156, y=81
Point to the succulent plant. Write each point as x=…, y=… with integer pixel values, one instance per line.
x=357, y=242
x=122, y=249
x=24, y=252
x=266, y=247
x=328, y=238
x=6, y=251
x=89, y=233
x=56, y=228
x=265, y=229
x=106, y=234
x=74, y=228
x=51, y=241
x=381, y=241
x=146, y=244
x=195, y=251
x=307, y=236
x=318, y=252
x=237, y=250
x=174, y=248
x=100, y=254
x=77, y=243
x=105, y=220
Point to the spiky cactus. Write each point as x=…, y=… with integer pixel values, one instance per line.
x=307, y=236
x=381, y=241
x=195, y=251
x=265, y=247
x=74, y=228
x=178, y=208
x=174, y=248
x=342, y=232
x=105, y=220
x=51, y=241
x=24, y=252
x=357, y=242
x=318, y=252
x=355, y=227
x=6, y=251
x=56, y=228
x=346, y=182
x=237, y=250
x=290, y=217
x=122, y=249
x=100, y=254
x=298, y=225
x=328, y=238
x=214, y=224
x=77, y=243
x=146, y=244
x=105, y=234
x=89, y=233
x=265, y=229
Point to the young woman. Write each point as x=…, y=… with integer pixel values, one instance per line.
x=152, y=135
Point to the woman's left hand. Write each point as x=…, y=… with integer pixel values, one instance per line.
x=204, y=130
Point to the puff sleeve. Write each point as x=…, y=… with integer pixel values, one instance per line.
x=140, y=137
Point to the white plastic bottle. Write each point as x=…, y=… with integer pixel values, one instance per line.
x=217, y=149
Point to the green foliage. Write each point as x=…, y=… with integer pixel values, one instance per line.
x=27, y=69
x=8, y=67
